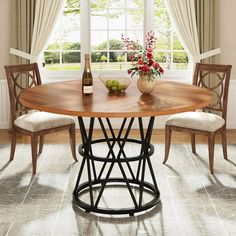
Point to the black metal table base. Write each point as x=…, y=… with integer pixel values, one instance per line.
x=134, y=169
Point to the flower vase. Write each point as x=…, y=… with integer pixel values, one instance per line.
x=146, y=85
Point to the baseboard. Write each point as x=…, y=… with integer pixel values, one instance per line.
x=4, y=105
x=4, y=125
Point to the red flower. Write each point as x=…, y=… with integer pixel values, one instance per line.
x=140, y=62
x=145, y=68
x=149, y=55
x=150, y=62
x=129, y=71
x=156, y=65
x=161, y=70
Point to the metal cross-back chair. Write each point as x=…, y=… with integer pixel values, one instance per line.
x=210, y=120
x=36, y=123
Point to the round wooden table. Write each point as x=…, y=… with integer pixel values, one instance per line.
x=136, y=173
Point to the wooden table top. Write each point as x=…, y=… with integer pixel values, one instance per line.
x=66, y=98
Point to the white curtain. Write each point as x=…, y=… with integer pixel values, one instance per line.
x=183, y=16
x=46, y=14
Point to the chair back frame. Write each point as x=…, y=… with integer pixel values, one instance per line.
x=19, y=78
x=220, y=75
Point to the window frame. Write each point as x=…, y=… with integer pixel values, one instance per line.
x=85, y=36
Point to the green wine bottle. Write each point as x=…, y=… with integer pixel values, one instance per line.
x=87, y=79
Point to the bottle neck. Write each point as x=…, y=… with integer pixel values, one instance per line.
x=87, y=65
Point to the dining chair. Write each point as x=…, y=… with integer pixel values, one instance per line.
x=33, y=123
x=211, y=119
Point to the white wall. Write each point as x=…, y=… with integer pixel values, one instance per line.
x=5, y=22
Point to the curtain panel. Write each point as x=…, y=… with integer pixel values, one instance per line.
x=23, y=12
x=207, y=19
x=46, y=14
x=207, y=15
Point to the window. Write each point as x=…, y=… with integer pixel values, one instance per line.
x=96, y=26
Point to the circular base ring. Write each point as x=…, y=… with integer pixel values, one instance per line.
x=147, y=187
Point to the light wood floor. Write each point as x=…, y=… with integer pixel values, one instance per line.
x=193, y=202
x=158, y=137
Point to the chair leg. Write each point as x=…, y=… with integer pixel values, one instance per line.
x=211, y=146
x=224, y=143
x=13, y=144
x=41, y=141
x=167, y=143
x=34, y=144
x=193, y=143
x=73, y=141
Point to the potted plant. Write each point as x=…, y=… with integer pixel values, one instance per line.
x=143, y=64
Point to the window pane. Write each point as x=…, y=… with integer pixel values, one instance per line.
x=136, y=36
x=99, y=40
x=116, y=19
x=70, y=57
x=180, y=59
x=177, y=44
x=99, y=59
x=52, y=45
x=161, y=20
x=73, y=4
x=164, y=40
x=99, y=19
x=52, y=60
x=71, y=17
x=116, y=3
x=159, y=4
x=115, y=44
x=70, y=46
x=160, y=57
x=135, y=19
x=98, y=4
x=135, y=3
x=113, y=56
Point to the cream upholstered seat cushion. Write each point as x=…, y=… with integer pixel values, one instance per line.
x=37, y=121
x=196, y=120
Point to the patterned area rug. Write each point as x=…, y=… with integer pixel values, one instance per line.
x=193, y=202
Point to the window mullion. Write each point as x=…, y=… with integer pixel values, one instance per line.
x=108, y=37
x=148, y=17
x=85, y=26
